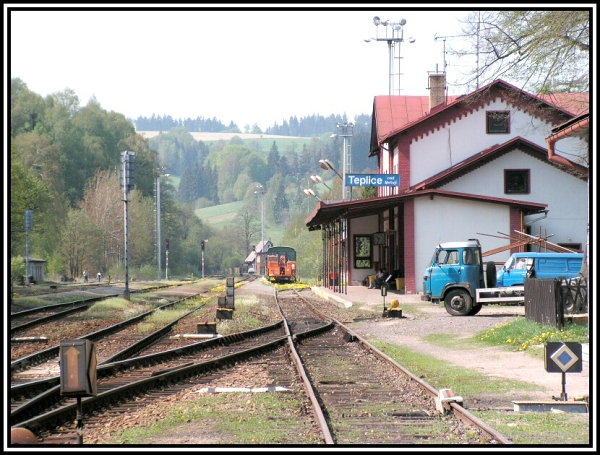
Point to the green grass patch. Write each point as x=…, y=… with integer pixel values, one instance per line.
x=117, y=307
x=545, y=428
x=255, y=418
x=522, y=333
x=159, y=318
x=50, y=299
x=442, y=374
x=248, y=315
x=220, y=215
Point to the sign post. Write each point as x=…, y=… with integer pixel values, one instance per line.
x=78, y=374
x=563, y=358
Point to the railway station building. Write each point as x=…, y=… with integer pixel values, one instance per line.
x=489, y=165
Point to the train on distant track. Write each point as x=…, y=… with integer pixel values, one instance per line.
x=281, y=264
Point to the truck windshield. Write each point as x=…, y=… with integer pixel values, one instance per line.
x=509, y=264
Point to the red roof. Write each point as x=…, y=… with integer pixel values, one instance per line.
x=391, y=113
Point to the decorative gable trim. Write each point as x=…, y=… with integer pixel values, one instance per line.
x=485, y=156
x=480, y=99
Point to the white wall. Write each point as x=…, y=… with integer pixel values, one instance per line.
x=445, y=219
x=461, y=139
x=565, y=195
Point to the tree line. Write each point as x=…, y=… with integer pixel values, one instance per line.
x=310, y=126
x=65, y=165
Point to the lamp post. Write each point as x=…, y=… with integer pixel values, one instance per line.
x=326, y=164
x=158, y=217
x=262, y=191
x=310, y=192
x=395, y=37
x=345, y=132
x=318, y=179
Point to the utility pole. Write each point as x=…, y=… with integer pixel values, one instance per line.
x=127, y=183
x=28, y=225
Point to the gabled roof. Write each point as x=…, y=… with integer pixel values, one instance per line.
x=487, y=155
x=266, y=244
x=393, y=115
x=393, y=112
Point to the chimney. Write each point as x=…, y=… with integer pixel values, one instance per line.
x=437, y=90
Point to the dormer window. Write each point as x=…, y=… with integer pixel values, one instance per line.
x=498, y=122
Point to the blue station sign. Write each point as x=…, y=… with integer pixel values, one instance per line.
x=372, y=179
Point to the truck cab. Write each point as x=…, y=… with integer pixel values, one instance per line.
x=453, y=275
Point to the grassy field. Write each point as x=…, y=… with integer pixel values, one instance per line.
x=223, y=215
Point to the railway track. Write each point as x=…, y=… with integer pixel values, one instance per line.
x=349, y=392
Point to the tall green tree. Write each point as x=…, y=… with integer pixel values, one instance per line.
x=273, y=159
x=26, y=108
x=276, y=200
x=246, y=229
x=540, y=51
x=190, y=186
x=82, y=244
x=26, y=193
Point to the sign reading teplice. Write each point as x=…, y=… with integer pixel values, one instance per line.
x=372, y=179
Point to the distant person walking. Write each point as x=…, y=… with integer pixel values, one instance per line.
x=99, y=276
x=85, y=276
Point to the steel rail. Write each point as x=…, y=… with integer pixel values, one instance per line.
x=460, y=412
x=305, y=380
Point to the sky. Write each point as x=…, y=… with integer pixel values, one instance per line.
x=248, y=67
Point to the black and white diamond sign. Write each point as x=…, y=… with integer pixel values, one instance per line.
x=563, y=357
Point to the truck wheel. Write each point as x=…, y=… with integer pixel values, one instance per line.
x=490, y=274
x=476, y=309
x=458, y=303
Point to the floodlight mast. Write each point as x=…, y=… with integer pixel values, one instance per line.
x=396, y=38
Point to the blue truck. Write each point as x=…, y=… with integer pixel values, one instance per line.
x=539, y=265
x=458, y=276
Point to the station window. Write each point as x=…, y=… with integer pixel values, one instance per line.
x=363, y=251
x=516, y=181
x=498, y=122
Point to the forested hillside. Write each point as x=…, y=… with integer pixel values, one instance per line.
x=65, y=165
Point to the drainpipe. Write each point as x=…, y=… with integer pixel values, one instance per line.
x=567, y=132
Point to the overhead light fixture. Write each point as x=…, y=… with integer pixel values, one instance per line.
x=402, y=21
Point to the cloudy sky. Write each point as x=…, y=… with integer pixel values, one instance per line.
x=253, y=66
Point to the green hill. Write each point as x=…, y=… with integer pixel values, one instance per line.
x=222, y=215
